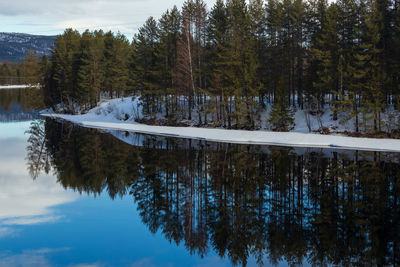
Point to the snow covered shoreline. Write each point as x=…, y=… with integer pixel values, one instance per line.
x=109, y=116
x=22, y=86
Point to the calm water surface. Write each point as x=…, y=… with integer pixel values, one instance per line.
x=77, y=197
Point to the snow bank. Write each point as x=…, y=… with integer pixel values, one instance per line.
x=120, y=114
x=22, y=86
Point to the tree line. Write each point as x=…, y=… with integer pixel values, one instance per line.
x=28, y=72
x=20, y=104
x=273, y=205
x=225, y=65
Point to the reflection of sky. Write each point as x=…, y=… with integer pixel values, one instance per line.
x=42, y=224
x=14, y=131
x=24, y=201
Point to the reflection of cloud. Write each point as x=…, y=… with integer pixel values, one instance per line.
x=31, y=220
x=24, y=198
x=144, y=262
x=24, y=201
x=213, y=261
x=88, y=265
x=28, y=258
x=6, y=231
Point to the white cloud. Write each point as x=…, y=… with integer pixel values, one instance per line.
x=52, y=17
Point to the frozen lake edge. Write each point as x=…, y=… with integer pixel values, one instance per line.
x=288, y=139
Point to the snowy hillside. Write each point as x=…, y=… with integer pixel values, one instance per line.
x=14, y=46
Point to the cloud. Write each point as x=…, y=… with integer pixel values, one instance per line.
x=51, y=17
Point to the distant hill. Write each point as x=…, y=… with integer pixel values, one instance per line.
x=14, y=46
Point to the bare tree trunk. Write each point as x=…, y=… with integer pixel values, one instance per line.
x=193, y=87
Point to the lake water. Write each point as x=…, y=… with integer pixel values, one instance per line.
x=71, y=196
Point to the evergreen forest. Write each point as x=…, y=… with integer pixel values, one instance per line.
x=226, y=65
x=30, y=71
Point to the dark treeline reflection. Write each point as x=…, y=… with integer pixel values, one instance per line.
x=272, y=204
x=20, y=104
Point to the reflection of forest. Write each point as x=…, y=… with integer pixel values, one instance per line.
x=341, y=210
x=20, y=104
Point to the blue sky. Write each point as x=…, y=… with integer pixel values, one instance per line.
x=49, y=17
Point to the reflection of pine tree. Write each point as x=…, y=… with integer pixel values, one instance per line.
x=241, y=201
x=37, y=157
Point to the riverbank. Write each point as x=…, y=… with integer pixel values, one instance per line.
x=121, y=114
x=22, y=86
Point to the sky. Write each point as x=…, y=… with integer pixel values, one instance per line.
x=51, y=17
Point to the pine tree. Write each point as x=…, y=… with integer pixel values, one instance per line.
x=31, y=68
x=5, y=74
x=395, y=65
x=316, y=17
x=327, y=58
x=185, y=65
x=116, y=54
x=90, y=73
x=65, y=58
x=166, y=53
x=218, y=61
x=281, y=116
x=145, y=70
x=243, y=69
x=257, y=15
x=376, y=78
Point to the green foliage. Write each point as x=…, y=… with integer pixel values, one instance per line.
x=84, y=66
x=28, y=72
x=91, y=69
x=224, y=66
x=281, y=116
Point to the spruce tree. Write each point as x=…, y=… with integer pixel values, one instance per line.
x=145, y=66
x=218, y=61
x=376, y=78
x=166, y=52
x=31, y=68
x=116, y=55
x=326, y=59
x=65, y=58
x=244, y=64
x=90, y=73
x=281, y=116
